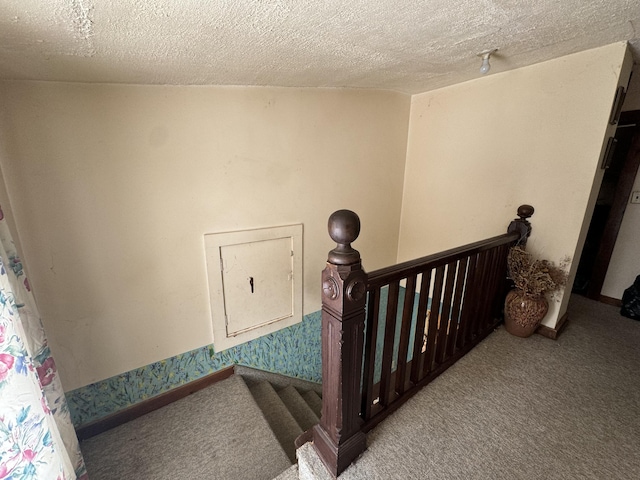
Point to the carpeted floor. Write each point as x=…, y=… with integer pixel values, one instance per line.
x=216, y=433
x=511, y=409
x=520, y=409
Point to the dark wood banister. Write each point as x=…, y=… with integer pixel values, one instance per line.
x=405, y=269
x=519, y=229
x=339, y=437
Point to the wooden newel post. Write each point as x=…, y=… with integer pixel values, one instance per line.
x=521, y=224
x=338, y=438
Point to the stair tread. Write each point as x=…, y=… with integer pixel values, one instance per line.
x=209, y=434
x=314, y=401
x=298, y=407
x=290, y=473
x=252, y=376
x=284, y=425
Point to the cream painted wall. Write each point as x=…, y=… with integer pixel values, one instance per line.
x=533, y=135
x=114, y=186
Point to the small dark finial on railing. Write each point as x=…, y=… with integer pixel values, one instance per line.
x=522, y=225
x=525, y=211
x=344, y=228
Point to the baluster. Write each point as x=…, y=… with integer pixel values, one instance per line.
x=501, y=289
x=434, y=318
x=457, y=304
x=482, y=270
x=416, y=362
x=489, y=277
x=373, y=311
x=338, y=438
x=405, y=333
x=386, y=392
x=469, y=306
x=499, y=275
x=445, y=315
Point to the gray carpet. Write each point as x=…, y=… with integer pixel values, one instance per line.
x=216, y=433
x=519, y=409
x=283, y=424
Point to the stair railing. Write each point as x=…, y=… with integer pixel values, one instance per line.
x=412, y=321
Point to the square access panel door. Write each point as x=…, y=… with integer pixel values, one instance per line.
x=255, y=282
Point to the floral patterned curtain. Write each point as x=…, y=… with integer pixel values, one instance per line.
x=37, y=438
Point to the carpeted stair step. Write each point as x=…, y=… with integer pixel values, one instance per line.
x=218, y=432
x=252, y=376
x=284, y=425
x=290, y=473
x=310, y=467
x=298, y=407
x=314, y=401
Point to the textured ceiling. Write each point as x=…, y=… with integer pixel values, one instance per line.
x=405, y=45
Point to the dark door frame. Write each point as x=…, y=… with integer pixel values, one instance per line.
x=620, y=202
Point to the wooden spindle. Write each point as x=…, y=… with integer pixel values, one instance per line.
x=386, y=393
x=434, y=318
x=445, y=314
x=338, y=438
x=373, y=312
x=405, y=333
x=469, y=304
x=416, y=362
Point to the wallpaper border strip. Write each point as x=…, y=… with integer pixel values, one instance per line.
x=294, y=351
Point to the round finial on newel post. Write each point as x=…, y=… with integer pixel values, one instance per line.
x=344, y=228
x=521, y=224
x=525, y=211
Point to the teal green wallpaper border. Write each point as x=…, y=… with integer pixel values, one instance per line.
x=294, y=351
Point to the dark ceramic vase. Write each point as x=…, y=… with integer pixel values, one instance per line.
x=522, y=313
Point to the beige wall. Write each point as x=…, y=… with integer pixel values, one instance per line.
x=534, y=135
x=114, y=186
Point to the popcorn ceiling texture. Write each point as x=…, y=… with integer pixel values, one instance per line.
x=82, y=26
x=405, y=45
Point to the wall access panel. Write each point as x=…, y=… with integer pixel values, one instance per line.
x=255, y=282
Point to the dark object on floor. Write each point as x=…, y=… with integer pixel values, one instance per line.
x=631, y=301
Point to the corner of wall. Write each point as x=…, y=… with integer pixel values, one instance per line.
x=623, y=74
x=404, y=178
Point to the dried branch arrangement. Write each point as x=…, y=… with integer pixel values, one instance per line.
x=535, y=277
